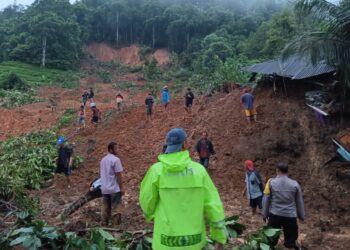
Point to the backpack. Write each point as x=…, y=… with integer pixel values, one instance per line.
x=261, y=186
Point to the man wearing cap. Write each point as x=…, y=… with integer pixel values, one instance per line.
x=283, y=204
x=64, y=160
x=254, y=186
x=177, y=193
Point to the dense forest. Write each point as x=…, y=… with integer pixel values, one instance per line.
x=210, y=36
x=52, y=32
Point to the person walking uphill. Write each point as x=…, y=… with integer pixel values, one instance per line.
x=165, y=97
x=91, y=95
x=283, y=204
x=205, y=149
x=85, y=97
x=189, y=97
x=247, y=100
x=178, y=194
x=120, y=100
x=254, y=186
x=111, y=183
x=64, y=160
x=149, y=105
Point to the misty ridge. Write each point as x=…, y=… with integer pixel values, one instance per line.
x=182, y=26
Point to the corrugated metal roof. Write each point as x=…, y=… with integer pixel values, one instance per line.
x=294, y=67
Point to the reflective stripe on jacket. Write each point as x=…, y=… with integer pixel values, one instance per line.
x=177, y=193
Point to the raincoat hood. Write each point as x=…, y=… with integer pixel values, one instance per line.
x=175, y=162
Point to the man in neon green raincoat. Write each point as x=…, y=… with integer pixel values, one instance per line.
x=178, y=194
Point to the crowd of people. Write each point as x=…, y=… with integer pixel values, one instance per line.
x=178, y=194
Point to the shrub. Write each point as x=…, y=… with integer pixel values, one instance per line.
x=13, y=82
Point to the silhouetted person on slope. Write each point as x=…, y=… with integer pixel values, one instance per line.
x=96, y=114
x=85, y=97
x=165, y=97
x=119, y=99
x=81, y=116
x=64, y=160
x=91, y=95
x=189, y=97
x=247, y=100
x=205, y=149
x=149, y=101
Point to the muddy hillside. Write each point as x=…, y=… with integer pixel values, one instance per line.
x=286, y=131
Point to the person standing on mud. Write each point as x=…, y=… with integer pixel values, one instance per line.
x=189, y=96
x=254, y=186
x=149, y=106
x=205, y=149
x=119, y=99
x=165, y=97
x=96, y=114
x=247, y=100
x=81, y=116
x=177, y=193
x=111, y=183
x=282, y=204
x=91, y=95
x=85, y=97
x=64, y=160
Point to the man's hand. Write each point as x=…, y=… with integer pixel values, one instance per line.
x=218, y=246
x=264, y=219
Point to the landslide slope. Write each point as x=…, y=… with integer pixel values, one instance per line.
x=286, y=131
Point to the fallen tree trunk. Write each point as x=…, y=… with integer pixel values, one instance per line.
x=89, y=196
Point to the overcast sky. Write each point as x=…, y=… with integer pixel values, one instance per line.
x=4, y=3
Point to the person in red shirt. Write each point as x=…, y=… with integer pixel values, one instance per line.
x=205, y=149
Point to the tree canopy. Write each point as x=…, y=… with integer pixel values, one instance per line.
x=53, y=32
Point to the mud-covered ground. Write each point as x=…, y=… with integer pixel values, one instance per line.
x=286, y=131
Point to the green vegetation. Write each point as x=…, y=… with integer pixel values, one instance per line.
x=13, y=81
x=66, y=119
x=37, y=76
x=26, y=162
x=260, y=240
x=36, y=234
x=327, y=38
x=16, y=98
x=29, y=160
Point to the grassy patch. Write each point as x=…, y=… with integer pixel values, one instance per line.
x=67, y=118
x=15, y=98
x=37, y=76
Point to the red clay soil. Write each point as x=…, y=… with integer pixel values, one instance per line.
x=286, y=131
x=162, y=56
x=36, y=116
x=127, y=55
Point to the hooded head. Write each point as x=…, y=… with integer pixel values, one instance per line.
x=249, y=165
x=175, y=140
x=176, y=158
